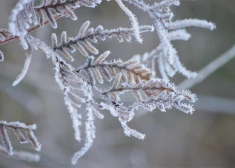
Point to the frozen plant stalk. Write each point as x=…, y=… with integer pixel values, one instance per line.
x=79, y=84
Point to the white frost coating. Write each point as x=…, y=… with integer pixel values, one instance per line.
x=168, y=30
x=75, y=117
x=19, y=125
x=83, y=29
x=17, y=128
x=183, y=70
x=25, y=67
x=166, y=3
x=84, y=40
x=109, y=107
x=90, y=135
x=5, y=139
x=117, y=80
x=167, y=47
x=190, y=22
x=97, y=113
x=23, y=42
x=133, y=20
x=180, y=34
x=162, y=69
x=131, y=132
x=159, y=94
x=21, y=17
x=102, y=57
x=33, y=140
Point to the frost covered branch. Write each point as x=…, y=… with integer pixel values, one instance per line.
x=81, y=86
x=18, y=129
x=133, y=20
x=86, y=36
x=168, y=60
x=25, y=15
x=150, y=93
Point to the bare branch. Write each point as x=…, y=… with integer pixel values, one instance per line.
x=209, y=69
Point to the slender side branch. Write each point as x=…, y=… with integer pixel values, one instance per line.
x=11, y=38
x=84, y=40
x=133, y=20
x=209, y=69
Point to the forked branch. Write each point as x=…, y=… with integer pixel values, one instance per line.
x=24, y=134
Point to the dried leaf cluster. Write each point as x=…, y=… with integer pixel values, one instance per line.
x=81, y=85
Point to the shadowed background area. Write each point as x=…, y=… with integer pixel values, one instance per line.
x=173, y=139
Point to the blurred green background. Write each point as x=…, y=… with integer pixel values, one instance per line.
x=173, y=139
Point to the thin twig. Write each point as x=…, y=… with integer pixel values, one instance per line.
x=57, y=16
x=209, y=69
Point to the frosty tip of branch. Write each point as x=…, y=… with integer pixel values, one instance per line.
x=24, y=71
x=133, y=20
x=190, y=22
